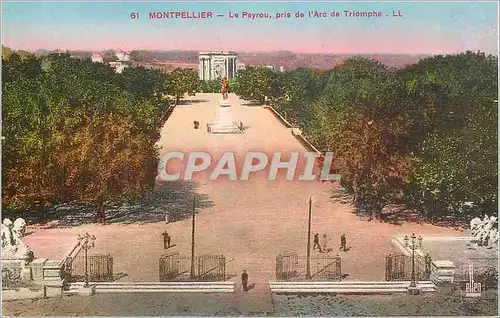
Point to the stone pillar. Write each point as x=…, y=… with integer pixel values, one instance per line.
x=442, y=272
x=210, y=71
x=203, y=68
x=234, y=67
x=227, y=67
x=37, y=270
x=53, y=282
x=200, y=68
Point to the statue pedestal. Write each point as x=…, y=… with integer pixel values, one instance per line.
x=16, y=272
x=224, y=123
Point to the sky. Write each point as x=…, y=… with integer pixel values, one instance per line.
x=417, y=28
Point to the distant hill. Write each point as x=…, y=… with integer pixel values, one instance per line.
x=286, y=59
x=42, y=51
x=168, y=60
x=289, y=60
x=165, y=56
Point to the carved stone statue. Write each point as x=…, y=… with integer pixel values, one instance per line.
x=474, y=226
x=13, y=246
x=7, y=234
x=485, y=232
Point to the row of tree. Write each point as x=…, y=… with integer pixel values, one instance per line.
x=77, y=131
x=425, y=135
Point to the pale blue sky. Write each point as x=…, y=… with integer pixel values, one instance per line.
x=426, y=27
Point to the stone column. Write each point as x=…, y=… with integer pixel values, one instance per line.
x=227, y=67
x=204, y=68
x=210, y=71
x=200, y=68
x=234, y=67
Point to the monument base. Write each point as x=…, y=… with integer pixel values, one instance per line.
x=224, y=123
x=225, y=128
x=224, y=103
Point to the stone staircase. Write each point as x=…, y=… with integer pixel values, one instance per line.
x=154, y=287
x=346, y=287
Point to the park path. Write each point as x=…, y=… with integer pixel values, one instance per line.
x=248, y=221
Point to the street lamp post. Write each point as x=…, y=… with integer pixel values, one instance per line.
x=192, y=237
x=413, y=242
x=87, y=241
x=308, y=264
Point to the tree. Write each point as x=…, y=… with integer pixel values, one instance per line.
x=181, y=81
x=48, y=104
x=358, y=117
x=372, y=168
x=142, y=82
x=109, y=160
x=256, y=84
x=297, y=89
x=455, y=159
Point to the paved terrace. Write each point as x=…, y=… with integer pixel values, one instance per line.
x=250, y=221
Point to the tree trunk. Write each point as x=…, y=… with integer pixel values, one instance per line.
x=101, y=214
x=177, y=99
x=41, y=211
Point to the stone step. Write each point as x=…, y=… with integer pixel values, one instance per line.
x=166, y=287
x=153, y=283
x=381, y=287
x=347, y=286
x=162, y=290
x=341, y=290
x=347, y=290
x=351, y=283
x=154, y=287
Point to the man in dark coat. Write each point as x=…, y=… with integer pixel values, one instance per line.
x=244, y=280
x=316, y=242
x=166, y=240
x=343, y=242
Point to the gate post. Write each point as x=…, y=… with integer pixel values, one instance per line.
x=279, y=266
x=388, y=267
x=338, y=267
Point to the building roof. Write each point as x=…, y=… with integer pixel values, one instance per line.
x=218, y=53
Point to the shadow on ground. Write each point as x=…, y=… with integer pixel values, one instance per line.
x=191, y=102
x=251, y=103
x=172, y=198
x=397, y=214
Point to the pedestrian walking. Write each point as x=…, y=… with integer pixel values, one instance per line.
x=244, y=280
x=167, y=219
x=166, y=240
x=316, y=242
x=343, y=242
x=241, y=125
x=325, y=244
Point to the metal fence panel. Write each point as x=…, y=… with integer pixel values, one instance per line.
x=206, y=267
x=100, y=268
x=289, y=267
x=398, y=267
